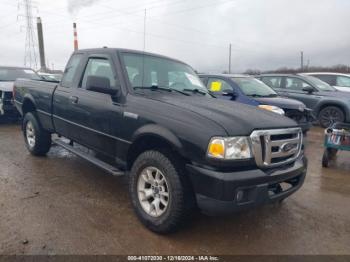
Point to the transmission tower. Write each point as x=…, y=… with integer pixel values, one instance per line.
x=30, y=53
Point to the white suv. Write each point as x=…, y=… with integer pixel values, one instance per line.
x=337, y=80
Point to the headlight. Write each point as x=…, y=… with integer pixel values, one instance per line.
x=274, y=109
x=229, y=148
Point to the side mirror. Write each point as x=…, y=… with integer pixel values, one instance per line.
x=100, y=84
x=230, y=93
x=308, y=89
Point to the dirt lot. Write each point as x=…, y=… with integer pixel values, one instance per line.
x=61, y=204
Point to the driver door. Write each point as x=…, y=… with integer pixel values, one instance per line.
x=95, y=114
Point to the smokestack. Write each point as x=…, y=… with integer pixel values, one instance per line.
x=41, y=45
x=75, y=36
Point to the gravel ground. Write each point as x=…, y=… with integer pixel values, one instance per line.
x=61, y=204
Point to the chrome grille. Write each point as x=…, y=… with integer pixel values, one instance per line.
x=276, y=146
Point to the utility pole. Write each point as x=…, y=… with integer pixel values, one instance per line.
x=229, y=60
x=41, y=45
x=302, y=60
x=30, y=55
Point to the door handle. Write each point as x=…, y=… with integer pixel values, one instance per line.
x=74, y=99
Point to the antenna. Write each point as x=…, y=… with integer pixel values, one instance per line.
x=30, y=54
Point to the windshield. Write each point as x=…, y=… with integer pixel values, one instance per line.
x=11, y=74
x=322, y=86
x=146, y=71
x=253, y=87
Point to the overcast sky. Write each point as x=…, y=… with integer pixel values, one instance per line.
x=265, y=34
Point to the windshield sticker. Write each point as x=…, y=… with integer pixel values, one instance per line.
x=28, y=71
x=215, y=86
x=194, y=80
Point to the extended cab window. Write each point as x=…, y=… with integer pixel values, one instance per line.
x=71, y=68
x=99, y=67
x=218, y=86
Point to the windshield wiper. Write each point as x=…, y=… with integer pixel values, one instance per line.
x=196, y=90
x=155, y=87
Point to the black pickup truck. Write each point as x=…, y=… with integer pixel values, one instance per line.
x=151, y=118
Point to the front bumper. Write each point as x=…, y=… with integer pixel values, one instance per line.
x=225, y=192
x=304, y=119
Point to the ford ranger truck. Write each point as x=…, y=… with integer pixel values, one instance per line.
x=151, y=118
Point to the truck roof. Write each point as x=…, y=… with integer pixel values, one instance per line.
x=123, y=50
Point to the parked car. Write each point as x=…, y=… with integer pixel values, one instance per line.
x=248, y=90
x=8, y=75
x=339, y=81
x=328, y=104
x=155, y=121
x=50, y=77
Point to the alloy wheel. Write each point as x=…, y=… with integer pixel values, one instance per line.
x=153, y=191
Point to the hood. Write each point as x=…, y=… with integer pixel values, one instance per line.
x=236, y=118
x=282, y=102
x=6, y=86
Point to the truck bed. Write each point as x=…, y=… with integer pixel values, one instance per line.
x=40, y=93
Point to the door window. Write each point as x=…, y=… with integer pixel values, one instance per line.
x=343, y=81
x=293, y=83
x=71, y=68
x=272, y=81
x=218, y=86
x=99, y=67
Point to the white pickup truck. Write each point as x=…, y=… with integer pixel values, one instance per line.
x=8, y=75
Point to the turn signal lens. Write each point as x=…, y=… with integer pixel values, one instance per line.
x=274, y=109
x=216, y=148
x=266, y=107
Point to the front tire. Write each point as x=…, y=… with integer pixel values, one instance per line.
x=330, y=115
x=38, y=140
x=160, y=191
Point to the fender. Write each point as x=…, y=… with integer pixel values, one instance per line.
x=156, y=130
x=330, y=102
x=28, y=97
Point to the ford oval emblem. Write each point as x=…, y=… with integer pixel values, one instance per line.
x=287, y=147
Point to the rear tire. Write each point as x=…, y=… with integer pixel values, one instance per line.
x=38, y=140
x=148, y=192
x=330, y=115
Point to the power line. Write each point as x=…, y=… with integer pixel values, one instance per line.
x=30, y=55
